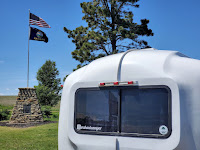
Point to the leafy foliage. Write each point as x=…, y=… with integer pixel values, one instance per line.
x=4, y=114
x=46, y=111
x=49, y=85
x=111, y=29
x=47, y=96
x=65, y=77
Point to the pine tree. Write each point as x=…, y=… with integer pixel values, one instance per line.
x=111, y=29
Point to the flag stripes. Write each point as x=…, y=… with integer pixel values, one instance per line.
x=35, y=20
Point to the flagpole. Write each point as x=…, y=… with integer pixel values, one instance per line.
x=28, y=51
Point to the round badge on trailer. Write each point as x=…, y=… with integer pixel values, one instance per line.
x=163, y=130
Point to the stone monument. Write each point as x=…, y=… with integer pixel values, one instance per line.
x=27, y=108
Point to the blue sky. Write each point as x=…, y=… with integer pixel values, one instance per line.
x=175, y=24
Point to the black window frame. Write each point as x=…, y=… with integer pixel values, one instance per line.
x=119, y=133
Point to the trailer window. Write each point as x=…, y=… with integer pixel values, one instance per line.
x=144, y=111
x=97, y=110
x=127, y=111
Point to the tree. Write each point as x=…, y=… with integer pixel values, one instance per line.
x=111, y=29
x=48, y=88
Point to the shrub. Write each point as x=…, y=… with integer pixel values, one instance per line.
x=4, y=114
x=46, y=111
x=55, y=116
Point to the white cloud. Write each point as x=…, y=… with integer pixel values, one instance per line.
x=7, y=89
x=1, y=61
x=1, y=94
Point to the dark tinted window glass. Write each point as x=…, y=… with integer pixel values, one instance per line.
x=97, y=110
x=27, y=108
x=144, y=111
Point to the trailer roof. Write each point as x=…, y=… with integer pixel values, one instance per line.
x=134, y=63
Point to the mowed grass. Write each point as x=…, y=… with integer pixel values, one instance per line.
x=44, y=137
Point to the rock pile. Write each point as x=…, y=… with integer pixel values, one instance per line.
x=27, y=108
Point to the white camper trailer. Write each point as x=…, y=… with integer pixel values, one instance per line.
x=138, y=100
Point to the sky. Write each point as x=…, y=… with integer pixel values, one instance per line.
x=175, y=24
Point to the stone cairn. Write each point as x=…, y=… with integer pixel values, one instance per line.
x=27, y=108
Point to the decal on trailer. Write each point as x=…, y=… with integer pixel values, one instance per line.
x=163, y=130
x=79, y=127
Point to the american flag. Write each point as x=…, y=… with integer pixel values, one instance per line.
x=35, y=20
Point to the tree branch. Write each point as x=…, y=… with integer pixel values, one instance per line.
x=104, y=49
x=105, y=2
x=122, y=4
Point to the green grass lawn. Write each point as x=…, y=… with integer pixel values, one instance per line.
x=44, y=137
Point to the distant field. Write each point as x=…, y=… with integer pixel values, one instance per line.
x=8, y=100
x=11, y=100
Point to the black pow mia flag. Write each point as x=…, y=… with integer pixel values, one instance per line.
x=38, y=35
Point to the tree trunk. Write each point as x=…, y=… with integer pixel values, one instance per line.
x=113, y=40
